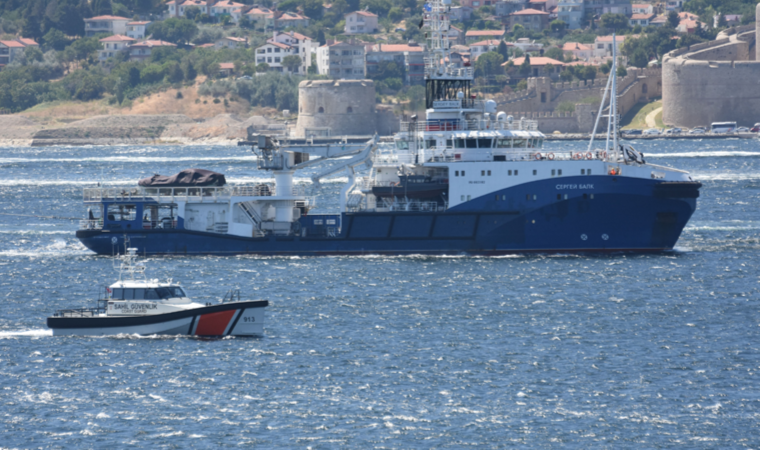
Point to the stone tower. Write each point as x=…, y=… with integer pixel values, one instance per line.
x=340, y=107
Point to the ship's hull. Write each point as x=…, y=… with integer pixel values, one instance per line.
x=572, y=214
x=227, y=319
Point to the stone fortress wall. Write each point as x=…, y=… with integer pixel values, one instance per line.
x=542, y=97
x=342, y=107
x=715, y=81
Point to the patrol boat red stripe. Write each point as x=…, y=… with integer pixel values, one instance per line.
x=214, y=324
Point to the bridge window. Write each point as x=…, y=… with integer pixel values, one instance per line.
x=485, y=142
x=559, y=172
x=588, y=171
x=504, y=143
x=518, y=143
x=515, y=172
x=463, y=173
x=456, y=173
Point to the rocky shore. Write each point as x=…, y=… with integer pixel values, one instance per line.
x=18, y=130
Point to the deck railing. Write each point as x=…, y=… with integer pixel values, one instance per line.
x=184, y=193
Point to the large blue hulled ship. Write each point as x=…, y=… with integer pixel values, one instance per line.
x=465, y=179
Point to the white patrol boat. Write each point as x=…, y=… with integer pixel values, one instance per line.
x=137, y=305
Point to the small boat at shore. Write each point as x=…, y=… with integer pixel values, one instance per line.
x=137, y=305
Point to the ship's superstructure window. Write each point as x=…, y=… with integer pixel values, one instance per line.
x=463, y=173
x=515, y=172
x=535, y=172
x=482, y=173
x=402, y=145
x=583, y=171
x=504, y=143
x=588, y=171
x=121, y=212
x=509, y=173
x=559, y=172
x=456, y=173
x=484, y=142
x=430, y=143
x=489, y=173
x=518, y=143
x=554, y=172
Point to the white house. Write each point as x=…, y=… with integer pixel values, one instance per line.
x=360, y=22
x=603, y=45
x=301, y=45
x=272, y=53
x=9, y=50
x=478, y=48
x=642, y=8
x=223, y=8
x=578, y=50
x=342, y=60
x=112, y=45
x=641, y=19
x=137, y=30
x=105, y=24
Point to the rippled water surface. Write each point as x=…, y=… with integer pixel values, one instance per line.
x=621, y=351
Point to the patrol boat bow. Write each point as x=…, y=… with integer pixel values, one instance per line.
x=137, y=305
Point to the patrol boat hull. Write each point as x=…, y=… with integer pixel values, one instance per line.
x=577, y=214
x=227, y=319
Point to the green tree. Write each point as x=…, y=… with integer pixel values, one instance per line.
x=722, y=22
x=518, y=31
x=174, y=73
x=177, y=31
x=616, y=22
x=33, y=13
x=102, y=7
x=321, y=37
x=558, y=26
x=189, y=70
x=152, y=73
x=193, y=13
x=395, y=14
x=639, y=58
x=67, y=16
x=416, y=95
x=262, y=67
x=525, y=66
x=488, y=63
x=292, y=63
x=503, y=50
x=566, y=75
x=555, y=53
x=673, y=19
x=621, y=71
x=55, y=40
x=312, y=9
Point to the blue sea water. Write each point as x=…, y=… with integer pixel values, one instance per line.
x=539, y=351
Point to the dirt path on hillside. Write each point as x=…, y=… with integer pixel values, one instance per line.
x=651, y=116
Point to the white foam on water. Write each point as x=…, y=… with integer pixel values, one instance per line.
x=59, y=248
x=703, y=154
x=742, y=176
x=37, y=332
x=34, y=232
x=130, y=159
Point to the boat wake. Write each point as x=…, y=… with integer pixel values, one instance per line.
x=37, y=332
x=708, y=154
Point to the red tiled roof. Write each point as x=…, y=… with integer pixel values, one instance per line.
x=153, y=43
x=609, y=38
x=236, y=39
x=145, y=22
x=117, y=38
x=106, y=18
x=14, y=44
x=571, y=46
x=27, y=41
x=276, y=44
x=224, y=66
x=529, y=12
x=205, y=46
x=390, y=48
x=363, y=13
x=641, y=16
x=536, y=61
x=493, y=42
x=640, y=5
x=485, y=33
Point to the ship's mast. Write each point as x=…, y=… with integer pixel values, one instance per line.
x=443, y=81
